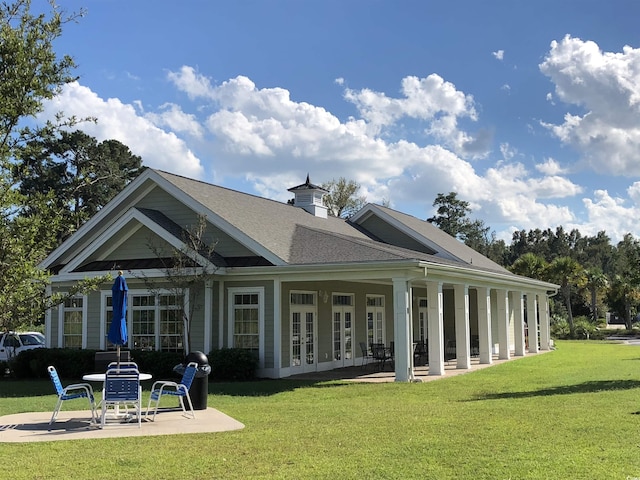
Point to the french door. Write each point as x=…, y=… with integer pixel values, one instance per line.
x=375, y=319
x=303, y=332
x=342, y=314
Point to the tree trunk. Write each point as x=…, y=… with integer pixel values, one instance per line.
x=566, y=290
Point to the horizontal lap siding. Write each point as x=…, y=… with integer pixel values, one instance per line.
x=225, y=245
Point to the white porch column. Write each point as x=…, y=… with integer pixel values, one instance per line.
x=435, y=328
x=532, y=321
x=277, y=327
x=221, y=315
x=545, y=333
x=403, y=352
x=484, y=324
x=503, y=324
x=461, y=299
x=517, y=306
x=208, y=315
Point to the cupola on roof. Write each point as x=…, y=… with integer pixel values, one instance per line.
x=309, y=197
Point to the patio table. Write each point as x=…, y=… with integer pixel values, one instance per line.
x=101, y=377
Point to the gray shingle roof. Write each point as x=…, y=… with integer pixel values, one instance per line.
x=298, y=237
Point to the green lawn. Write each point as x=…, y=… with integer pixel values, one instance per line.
x=569, y=414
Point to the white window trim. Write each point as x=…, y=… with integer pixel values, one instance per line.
x=230, y=315
x=131, y=293
x=61, y=309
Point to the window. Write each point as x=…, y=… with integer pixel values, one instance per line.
x=246, y=320
x=72, y=322
x=171, y=322
x=375, y=319
x=155, y=321
x=143, y=322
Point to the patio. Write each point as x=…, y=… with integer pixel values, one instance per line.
x=75, y=425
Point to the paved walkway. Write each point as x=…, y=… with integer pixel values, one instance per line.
x=75, y=425
x=371, y=374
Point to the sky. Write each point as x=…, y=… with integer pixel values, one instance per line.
x=528, y=110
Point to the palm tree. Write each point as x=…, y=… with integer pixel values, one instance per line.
x=595, y=281
x=530, y=265
x=567, y=272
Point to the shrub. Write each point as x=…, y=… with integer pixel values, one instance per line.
x=233, y=364
x=68, y=362
x=158, y=364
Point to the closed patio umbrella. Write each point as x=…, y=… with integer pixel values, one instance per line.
x=118, y=328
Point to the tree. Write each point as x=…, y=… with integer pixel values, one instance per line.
x=30, y=72
x=530, y=265
x=451, y=215
x=567, y=273
x=342, y=199
x=82, y=174
x=186, y=269
x=595, y=282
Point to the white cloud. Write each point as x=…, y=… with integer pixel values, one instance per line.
x=611, y=214
x=261, y=136
x=498, y=54
x=550, y=167
x=430, y=99
x=158, y=148
x=607, y=87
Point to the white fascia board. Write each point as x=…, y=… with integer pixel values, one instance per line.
x=219, y=222
x=129, y=194
x=117, y=227
x=371, y=209
x=412, y=270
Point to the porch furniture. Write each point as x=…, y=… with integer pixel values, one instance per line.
x=366, y=354
x=381, y=354
x=180, y=390
x=121, y=389
x=450, y=350
x=420, y=353
x=70, y=392
x=101, y=377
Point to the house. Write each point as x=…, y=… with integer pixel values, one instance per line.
x=299, y=287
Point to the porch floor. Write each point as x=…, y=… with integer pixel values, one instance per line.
x=370, y=373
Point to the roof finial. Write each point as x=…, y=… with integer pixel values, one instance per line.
x=308, y=181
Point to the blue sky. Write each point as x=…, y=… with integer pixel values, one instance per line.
x=529, y=110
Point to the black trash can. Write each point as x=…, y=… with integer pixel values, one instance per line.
x=200, y=386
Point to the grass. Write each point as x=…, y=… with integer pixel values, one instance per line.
x=572, y=413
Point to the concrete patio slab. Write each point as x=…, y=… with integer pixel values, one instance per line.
x=76, y=425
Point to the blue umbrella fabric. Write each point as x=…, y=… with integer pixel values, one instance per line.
x=118, y=328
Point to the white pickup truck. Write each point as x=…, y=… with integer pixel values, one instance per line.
x=12, y=343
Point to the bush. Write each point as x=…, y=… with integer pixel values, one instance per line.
x=233, y=364
x=68, y=362
x=583, y=327
x=158, y=364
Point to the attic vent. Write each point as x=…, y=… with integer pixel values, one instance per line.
x=309, y=197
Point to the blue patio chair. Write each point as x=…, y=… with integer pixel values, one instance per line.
x=121, y=390
x=180, y=390
x=70, y=392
